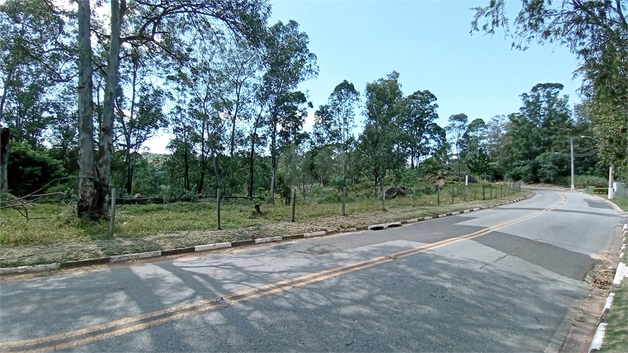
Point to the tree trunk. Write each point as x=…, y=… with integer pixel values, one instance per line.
x=106, y=129
x=186, y=168
x=129, y=172
x=252, y=162
x=273, y=161
x=199, y=188
x=87, y=206
x=215, y=164
x=5, y=135
x=128, y=134
x=5, y=91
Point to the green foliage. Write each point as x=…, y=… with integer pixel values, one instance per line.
x=584, y=181
x=551, y=166
x=596, y=32
x=380, y=143
x=31, y=169
x=35, y=63
x=537, y=139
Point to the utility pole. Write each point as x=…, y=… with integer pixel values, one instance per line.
x=572, y=167
x=610, y=183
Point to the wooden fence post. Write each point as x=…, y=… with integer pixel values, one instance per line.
x=383, y=198
x=112, y=221
x=413, y=196
x=344, y=199
x=438, y=195
x=294, y=203
x=218, y=206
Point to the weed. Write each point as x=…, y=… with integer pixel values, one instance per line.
x=616, y=337
x=53, y=233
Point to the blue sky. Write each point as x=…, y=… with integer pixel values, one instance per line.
x=429, y=44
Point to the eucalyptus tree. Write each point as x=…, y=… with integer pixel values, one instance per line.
x=88, y=203
x=166, y=28
x=379, y=142
x=458, y=124
x=287, y=62
x=496, y=128
x=336, y=119
x=199, y=87
x=36, y=55
x=141, y=115
x=475, y=149
x=240, y=67
x=238, y=71
x=539, y=132
x=418, y=125
x=595, y=31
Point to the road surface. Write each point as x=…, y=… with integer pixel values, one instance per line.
x=504, y=279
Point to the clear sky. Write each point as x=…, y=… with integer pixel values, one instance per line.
x=429, y=44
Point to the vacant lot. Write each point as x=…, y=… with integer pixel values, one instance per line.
x=52, y=233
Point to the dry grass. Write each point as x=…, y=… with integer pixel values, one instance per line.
x=54, y=234
x=616, y=337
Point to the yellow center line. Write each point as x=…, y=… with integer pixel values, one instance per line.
x=141, y=322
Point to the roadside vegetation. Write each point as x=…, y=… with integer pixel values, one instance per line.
x=616, y=337
x=224, y=84
x=53, y=232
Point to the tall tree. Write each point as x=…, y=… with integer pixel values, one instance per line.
x=336, y=119
x=456, y=129
x=542, y=126
x=474, y=147
x=36, y=54
x=168, y=28
x=288, y=62
x=418, y=124
x=596, y=32
x=141, y=115
x=87, y=199
x=379, y=140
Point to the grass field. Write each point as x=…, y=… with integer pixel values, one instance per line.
x=53, y=233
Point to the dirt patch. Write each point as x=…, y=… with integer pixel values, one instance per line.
x=587, y=316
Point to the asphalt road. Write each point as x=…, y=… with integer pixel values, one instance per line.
x=505, y=279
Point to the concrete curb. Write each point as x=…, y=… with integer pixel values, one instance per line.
x=620, y=274
x=314, y=234
x=218, y=246
x=209, y=247
x=129, y=257
x=268, y=240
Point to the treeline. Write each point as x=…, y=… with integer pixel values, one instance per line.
x=224, y=85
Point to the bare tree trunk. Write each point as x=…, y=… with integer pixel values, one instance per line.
x=128, y=132
x=186, y=167
x=5, y=92
x=199, y=188
x=252, y=162
x=5, y=135
x=273, y=160
x=86, y=184
x=106, y=129
x=215, y=164
x=129, y=173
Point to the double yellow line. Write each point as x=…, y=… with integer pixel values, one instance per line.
x=141, y=322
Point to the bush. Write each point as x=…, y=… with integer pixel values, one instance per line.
x=584, y=181
x=30, y=170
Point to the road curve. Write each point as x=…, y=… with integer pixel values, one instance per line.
x=504, y=279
